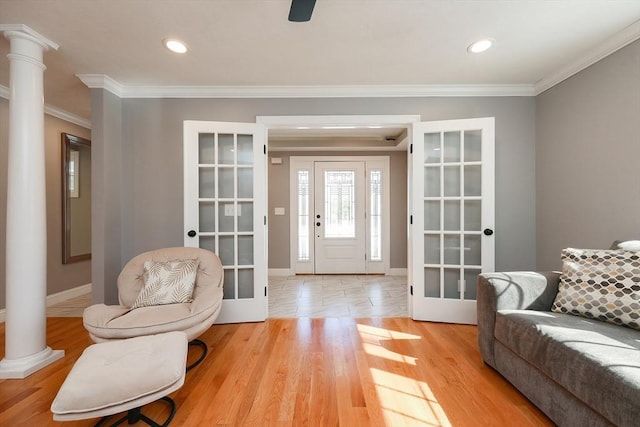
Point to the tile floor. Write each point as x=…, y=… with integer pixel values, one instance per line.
x=309, y=296
x=72, y=307
x=338, y=296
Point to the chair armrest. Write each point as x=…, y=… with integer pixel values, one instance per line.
x=522, y=290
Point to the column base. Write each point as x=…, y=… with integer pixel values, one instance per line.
x=25, y=366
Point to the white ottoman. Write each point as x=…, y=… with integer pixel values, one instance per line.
x=123, y=375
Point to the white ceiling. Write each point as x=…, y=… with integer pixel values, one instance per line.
x=346, y=43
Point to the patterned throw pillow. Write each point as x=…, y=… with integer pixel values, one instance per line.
x=167, y=283
x=600, y=284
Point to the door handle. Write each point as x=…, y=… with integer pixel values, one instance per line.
x=488, y=232
x=192, y=233
x=318, y=224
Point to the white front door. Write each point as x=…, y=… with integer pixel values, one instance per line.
x=339, y=218
x=452, y=216
x=225, y=191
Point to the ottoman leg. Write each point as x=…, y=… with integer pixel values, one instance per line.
x=135, y=415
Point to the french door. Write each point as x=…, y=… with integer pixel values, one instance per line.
x=452, y=222
x=224, y=209
x=339, y=218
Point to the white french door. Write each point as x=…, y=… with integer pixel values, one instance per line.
x=339, y=218
x=452, y=205
x=225, y=191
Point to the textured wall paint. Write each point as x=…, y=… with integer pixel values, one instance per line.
x=588, y=158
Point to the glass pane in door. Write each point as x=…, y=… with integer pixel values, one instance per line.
x=339, y=212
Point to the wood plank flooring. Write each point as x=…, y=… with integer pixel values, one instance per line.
x=308, y=372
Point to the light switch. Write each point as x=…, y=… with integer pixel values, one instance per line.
x=276, y=160
x=278, y=211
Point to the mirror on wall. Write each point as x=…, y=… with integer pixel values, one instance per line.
x=76, y=198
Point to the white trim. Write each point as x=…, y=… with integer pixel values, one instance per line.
x=280, y=272
x=21, y=28
x=59, y=297
x=54, y=111
x=618, y=41
x=308, y=91
x=102, y=81
x=284, y=122
x=66, y=116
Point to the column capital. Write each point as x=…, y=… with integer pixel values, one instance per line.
x=23, y=31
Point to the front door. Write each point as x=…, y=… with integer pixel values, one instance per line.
x=452, y=204
x=339, y=220
x=225, y=191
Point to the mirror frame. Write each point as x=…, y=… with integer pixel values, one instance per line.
x=67, y=258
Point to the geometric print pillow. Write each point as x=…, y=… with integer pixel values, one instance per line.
x=600, y=284
x=167, y=283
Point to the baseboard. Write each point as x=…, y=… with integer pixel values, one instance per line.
x=279, y=272
x=59, y=297
x=397, y=272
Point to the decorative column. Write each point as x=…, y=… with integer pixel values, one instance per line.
x=26, y=350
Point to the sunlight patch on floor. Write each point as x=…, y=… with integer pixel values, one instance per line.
x=405, y=401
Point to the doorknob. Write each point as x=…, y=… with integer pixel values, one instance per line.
x=318, y=216
x=318, y=224
x=192, y=233
x=488, y=232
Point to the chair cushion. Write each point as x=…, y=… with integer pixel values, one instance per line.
x=106, y=322
x=123, y=374
x=167, y=282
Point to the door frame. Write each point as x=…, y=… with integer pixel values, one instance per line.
x=371, y=162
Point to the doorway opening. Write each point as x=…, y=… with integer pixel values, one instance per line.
x=322, y=158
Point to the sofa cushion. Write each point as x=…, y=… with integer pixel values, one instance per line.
x=168, y=282
x=597, y=362
x=600, y=284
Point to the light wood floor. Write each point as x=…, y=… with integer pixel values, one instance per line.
x=308, y=372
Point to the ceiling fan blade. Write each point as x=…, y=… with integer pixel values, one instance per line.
x=301, y=10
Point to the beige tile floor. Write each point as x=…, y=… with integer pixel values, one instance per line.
x=72, y=307
x=309, y=296
x=338, y=296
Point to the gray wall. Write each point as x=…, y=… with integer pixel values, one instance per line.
x=60, y=277
x=279, y=229
x=107, y=190
x=588, y=158
x=152, y=204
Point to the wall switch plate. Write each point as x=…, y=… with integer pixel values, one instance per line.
x=278, y=211
x=276, y=160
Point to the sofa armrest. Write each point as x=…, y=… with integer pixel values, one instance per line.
x=522, y=290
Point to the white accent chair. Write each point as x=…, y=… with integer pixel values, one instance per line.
x=115, y=322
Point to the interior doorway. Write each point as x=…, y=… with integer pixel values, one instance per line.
x=295, y=288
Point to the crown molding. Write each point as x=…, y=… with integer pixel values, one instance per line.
x=67, y=116
x=102, y=81
x=617, y=42
x=54, y=111
x=25, y=30
x=362, y=91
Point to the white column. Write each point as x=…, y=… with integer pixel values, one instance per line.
x=26, y=350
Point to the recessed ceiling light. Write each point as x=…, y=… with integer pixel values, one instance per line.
x=480, y=46
x=175, y=45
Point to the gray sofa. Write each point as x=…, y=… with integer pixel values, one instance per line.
x=578, y=371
